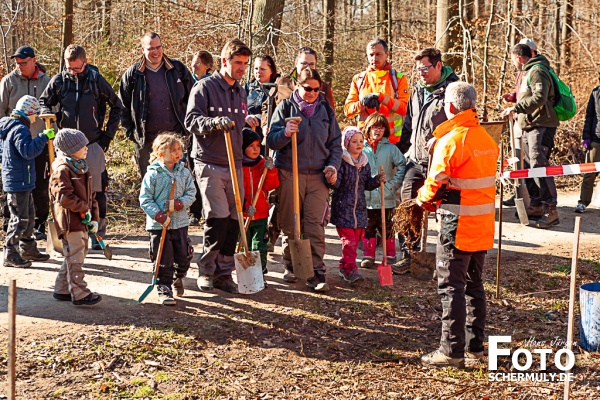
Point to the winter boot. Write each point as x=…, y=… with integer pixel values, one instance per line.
x=29, y=251
x=535, y=211
x=390, y=249
x=549, y=219
x=12, y=258
x=368, y=260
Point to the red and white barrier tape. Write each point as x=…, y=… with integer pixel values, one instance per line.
x=554, y=170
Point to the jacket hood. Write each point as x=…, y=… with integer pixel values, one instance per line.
x=6, y=125
x=160, y=167
x=538, y=59
x=362, y=159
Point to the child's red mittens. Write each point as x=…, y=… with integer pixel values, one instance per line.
x=178, y=205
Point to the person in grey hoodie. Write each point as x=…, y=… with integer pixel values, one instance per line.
x=29, y=78
x=216, y=104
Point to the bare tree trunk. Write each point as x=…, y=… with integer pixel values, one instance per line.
x=14, y=40
x=446, y=31
x=556, y=33
x=106, y=13
x=485, y=59
x=565, y=37
x=67, y=31
x=328, y=35
x=382, y=19
x=506, y=47
x=266, y=22
x=516, y=10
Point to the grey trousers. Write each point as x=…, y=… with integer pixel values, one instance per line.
x=537, y=146
x=22, y=219
x=587, y=186
x=70, y=279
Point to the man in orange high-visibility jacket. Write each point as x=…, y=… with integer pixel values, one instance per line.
x=461, y=181
x=379, y=89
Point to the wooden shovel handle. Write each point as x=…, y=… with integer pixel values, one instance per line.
x=161, y=245
x=261, y=182
x=383, y=227
x=296, y=187
x=48, y=118
x=297, y=119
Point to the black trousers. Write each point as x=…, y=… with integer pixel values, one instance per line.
x=177, y=250
x=21, y=222
x=460, y=286
x=414, y=179
x=41, y=196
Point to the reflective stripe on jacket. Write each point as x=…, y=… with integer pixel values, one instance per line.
x=462, y=174
x=392, y=105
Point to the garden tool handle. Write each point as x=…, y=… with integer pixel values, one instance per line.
x=383, y=227
x=161, y=245
x=48, y=118
x=261, y=182
x=296, y=187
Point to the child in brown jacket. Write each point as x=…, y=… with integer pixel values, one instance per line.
x=75, y=212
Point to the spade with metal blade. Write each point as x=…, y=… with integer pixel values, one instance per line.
x=384, y=270
x=105, y=247
x=521, y=188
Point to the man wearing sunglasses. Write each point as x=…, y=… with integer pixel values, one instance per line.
x=154, y=91
x=82, y=96
x=29, y=78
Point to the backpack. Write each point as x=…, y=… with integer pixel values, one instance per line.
x=93, y=85
x=564, y=106
x=395, y=75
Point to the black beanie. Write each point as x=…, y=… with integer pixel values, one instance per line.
x=249, y=137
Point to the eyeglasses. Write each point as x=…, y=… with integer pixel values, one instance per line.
x=76, y=69
x=423, y=70
x=23, y=63
x=307, y=64
x=153, y=49
x=311, y=89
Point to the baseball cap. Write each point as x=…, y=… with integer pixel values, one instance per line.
x=529, y=42
x=24, y=52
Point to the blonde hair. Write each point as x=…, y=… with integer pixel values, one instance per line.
x=164, y=141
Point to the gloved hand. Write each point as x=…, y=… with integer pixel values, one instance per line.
x=587, y=144
x=371, y=100
x=222, y=123
x=431, y=207
x=162, y=219
x=93, y=227
x=170, y=205
x=86, y=219
x=330, y=174
x=178, y=205
x=104, y=141
x=49, y=133
x=250, y=211
x=269, y=163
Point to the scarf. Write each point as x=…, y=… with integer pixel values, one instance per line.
x=374, y=144
x=308, y=109
x=446, y=72
x=358, y=163
x=20, y=115
x=78, y=166
x=250, y=162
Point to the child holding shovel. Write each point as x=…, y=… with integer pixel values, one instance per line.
x=166, y=165
x=381, y=153
x=348, y=203
x=72, y=196
x=253, y=165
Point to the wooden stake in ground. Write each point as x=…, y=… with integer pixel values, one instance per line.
x=571, y=322
x=12, y=338
x=499, y=257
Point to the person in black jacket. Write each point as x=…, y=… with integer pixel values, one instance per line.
x=591, y=145
x=155, y=92
x=82, y=96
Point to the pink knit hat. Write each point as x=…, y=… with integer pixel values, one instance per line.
x=350, y=131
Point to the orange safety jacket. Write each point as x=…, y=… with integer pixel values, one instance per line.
x=393, y=104
x=463, y=176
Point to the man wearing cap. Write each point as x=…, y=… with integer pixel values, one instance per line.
x=29, y=78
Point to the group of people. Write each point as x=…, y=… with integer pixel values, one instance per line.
x=422, y=143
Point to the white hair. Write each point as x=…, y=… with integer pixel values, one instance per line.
x=462, y=95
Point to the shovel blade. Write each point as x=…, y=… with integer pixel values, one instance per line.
x=301, y=258
x=107, y=251
x=147, y=291
x=522, y=212
x=54, y=243
x=248, y=269
x=385, y=275
x=523, y=194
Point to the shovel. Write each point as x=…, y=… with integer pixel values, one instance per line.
x=521, y=188
x=105, y=248
x=161, y=246
x=54, y=244
x=299, y=248
x=384, y=270
x=251, y=271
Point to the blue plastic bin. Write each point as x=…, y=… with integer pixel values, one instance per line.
x=589, y=323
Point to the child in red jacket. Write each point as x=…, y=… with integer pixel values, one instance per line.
x=253, y=165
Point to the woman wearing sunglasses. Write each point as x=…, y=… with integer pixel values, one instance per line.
x=319, y=157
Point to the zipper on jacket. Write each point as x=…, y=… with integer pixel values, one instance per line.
x=94, y=114
x=77, y=100
x=29, y=174
x=356, y=197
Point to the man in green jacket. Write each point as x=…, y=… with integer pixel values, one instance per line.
x=537, y=118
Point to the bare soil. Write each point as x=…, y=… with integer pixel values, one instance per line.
x=287, y=342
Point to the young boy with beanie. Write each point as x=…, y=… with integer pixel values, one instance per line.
x=18, y=153
x=75, y=212
x=253, y=165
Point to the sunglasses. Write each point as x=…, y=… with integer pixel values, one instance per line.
x=311, y=89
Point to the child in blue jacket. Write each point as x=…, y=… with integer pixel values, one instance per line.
x=348, y=204
x=166, y=165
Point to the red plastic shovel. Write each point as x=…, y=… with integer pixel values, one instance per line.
x=384, y=270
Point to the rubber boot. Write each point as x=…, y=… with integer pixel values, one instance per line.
x=549, y=219
x=390, y=249
x=28, y=251
x=12, y=258
x=369, y=246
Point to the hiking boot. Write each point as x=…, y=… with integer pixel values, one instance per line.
x=288, y=276
x=205, y=283
x=509, y=202
x=178, y=285
x=549, y=219
x=88, y=300
x=401, y=267
x=475, y=355
x=29, y=251
x=62, y=296
x=317, y=283
x=165, y=295
x=580, y=208
x=535, y=211
x=367, y=263
x=440, y=360
x=14, y=259
x=226, y=284
x=351, y=276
